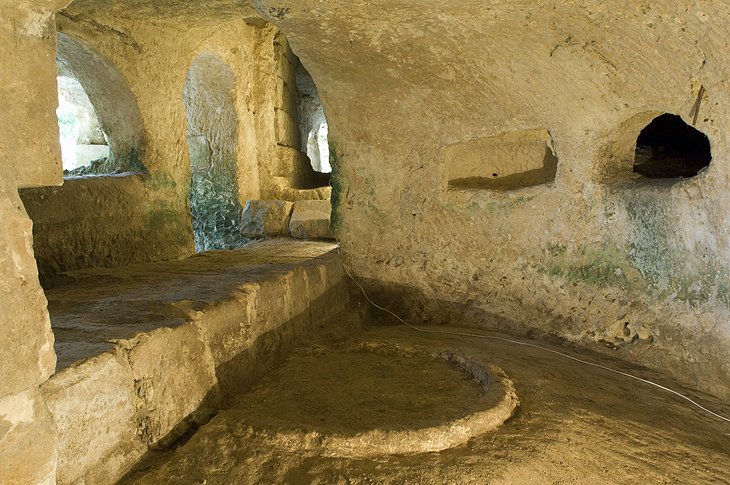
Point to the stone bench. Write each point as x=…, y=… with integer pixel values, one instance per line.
x=167, y=366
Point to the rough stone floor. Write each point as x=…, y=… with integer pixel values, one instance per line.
x=90, y=308
x=574, y=425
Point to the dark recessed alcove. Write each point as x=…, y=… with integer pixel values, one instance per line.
x=670, y=148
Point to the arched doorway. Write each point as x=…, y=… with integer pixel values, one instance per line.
x=99, y=122
x=312, y=122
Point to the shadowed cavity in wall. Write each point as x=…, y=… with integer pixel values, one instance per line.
x=99, y=122
x=503, y=162
x=670, y=148
x=209, y=98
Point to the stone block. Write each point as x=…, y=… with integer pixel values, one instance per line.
x=297, y=298
x=286, y=99
x=289, y=162
x=311, y=220
x=286, y=69
x=265, y=218
x=29, y=79
x=283, y=49
x=285, y=95
x=296, y=168
x=27, y=440
x=283, y=190
x=270, y=305
x=257, y=308
x=174, y=379
x=93, y=405
x=317, y=283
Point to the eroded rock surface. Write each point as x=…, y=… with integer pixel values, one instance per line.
x=483, y=160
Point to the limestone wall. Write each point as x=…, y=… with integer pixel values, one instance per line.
x=291, y=177
x=594, y=257
x=110, y=96
x=99, y=221
x=105, y=221
x=210, y=99
x=150, y=63
x=155, y=60
x=27, y=103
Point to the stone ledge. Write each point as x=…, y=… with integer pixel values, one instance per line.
x=147, y=390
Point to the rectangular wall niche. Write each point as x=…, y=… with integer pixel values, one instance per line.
x=504, y=162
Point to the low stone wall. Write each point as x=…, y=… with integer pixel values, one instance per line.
x=148, y=390
x=102, y=221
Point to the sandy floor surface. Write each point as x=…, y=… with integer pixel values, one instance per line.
x=574, y=424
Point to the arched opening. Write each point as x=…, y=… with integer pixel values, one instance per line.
x=83, y=142
x=312, y=122
x=209, y=97
x=99, y=122
x=670, y=148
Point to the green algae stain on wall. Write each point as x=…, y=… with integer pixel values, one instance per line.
x=215, y=208
x=650, y=262
x=113, y=164
x=644, y=264
x=602, y=266
x=209, y=96
x=160, y=181
x=708, y=286
x=650, y=248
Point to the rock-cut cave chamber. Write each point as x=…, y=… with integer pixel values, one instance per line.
x=269, y=241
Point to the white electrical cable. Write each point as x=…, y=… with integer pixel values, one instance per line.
x=526, y=344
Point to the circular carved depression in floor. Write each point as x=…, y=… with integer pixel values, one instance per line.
x=375, y=398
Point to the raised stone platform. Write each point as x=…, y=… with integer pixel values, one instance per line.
x=373, y=398
x=146, y=350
